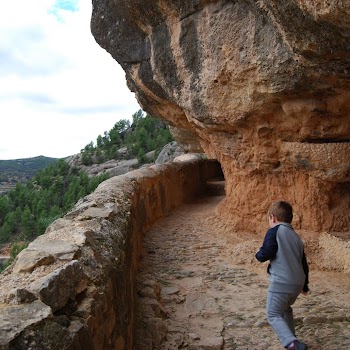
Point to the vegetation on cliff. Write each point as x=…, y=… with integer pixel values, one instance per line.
x=127, y=141
x=27, y=210
x=15, y=170
x=30, y=207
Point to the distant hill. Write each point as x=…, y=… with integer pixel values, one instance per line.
x=21, y=170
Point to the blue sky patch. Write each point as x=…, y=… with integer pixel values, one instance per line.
x=64, y=5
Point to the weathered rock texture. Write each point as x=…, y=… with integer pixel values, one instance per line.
x=116, y=167
x=262, y=85
x=74, y=287
x=113, y=167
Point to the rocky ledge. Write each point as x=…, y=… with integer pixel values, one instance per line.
x=74, y=287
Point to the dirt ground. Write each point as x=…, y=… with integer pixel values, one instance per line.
x=200, y=287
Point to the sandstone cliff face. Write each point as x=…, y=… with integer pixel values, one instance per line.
x=262, y=86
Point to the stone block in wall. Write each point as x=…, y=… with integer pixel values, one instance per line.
x=58, y=287
x=15, y=318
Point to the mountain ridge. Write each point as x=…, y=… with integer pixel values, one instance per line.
x=17, y=170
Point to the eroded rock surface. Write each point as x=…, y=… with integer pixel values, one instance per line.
x=262, y=86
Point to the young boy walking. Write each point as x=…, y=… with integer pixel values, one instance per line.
x=288, y=270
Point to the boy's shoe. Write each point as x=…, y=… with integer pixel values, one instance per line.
x=297, y=345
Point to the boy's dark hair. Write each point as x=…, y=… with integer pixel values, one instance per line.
x=283, y=211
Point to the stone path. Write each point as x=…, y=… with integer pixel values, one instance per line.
x=199, y=287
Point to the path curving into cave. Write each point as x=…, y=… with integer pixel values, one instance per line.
x=199, y=287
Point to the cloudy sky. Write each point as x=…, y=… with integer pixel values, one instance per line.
x=58, y=89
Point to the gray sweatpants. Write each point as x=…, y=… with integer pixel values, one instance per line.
x=280, y=315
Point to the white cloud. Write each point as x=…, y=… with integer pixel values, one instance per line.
x=59, y=90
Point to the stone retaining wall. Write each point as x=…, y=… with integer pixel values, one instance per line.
x=73, y=287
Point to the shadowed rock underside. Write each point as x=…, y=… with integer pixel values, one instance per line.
x=262, y=86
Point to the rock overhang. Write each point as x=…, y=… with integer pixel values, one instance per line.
x=254, y=83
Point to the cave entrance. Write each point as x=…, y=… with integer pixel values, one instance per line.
x=216, y=185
